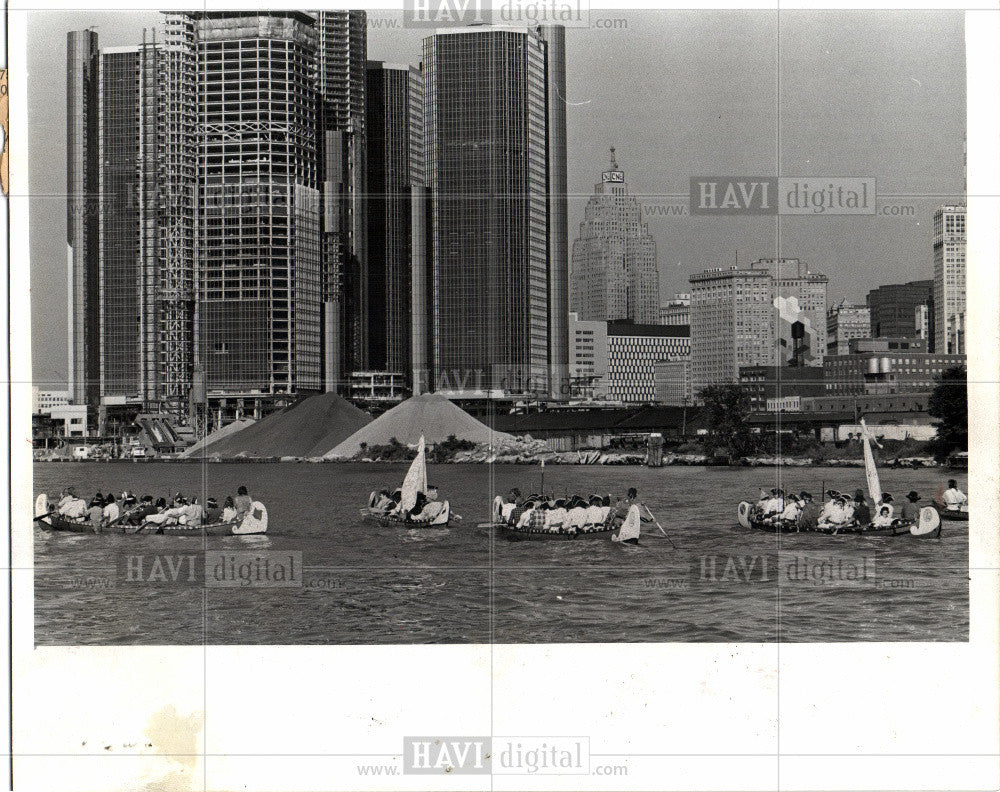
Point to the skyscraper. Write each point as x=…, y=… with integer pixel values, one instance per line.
x=949, y=244
x=82, y=190
x=389, y=103
x=894, y=307
x=223, y=247
x=119, y=223
x=491, y=149
x=799, y=299
x=732, y=324
x=259, y=281
x=844, y=322
x=615, y=276
x=770, y=314
x=341, y=149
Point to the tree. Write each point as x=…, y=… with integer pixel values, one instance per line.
x=728, y=408
x=949, y=403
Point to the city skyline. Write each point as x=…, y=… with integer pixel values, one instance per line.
x=598, y=119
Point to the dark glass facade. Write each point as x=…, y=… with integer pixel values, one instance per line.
x=82, y=195
x=388, y=102
x=486, y=143
x=342, y=154
x=120, y=285
x=893, y=308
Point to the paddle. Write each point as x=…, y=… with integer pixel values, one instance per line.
x=659, y=526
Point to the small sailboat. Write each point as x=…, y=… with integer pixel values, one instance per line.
x=414, y=486
x=928, y=524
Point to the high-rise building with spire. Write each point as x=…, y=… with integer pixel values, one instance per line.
x=614, y=273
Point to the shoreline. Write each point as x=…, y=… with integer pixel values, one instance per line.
x=624, y=460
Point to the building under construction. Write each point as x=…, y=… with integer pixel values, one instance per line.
x=225, y=156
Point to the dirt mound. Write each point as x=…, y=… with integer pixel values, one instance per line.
x=430, y=415
x=309, y=428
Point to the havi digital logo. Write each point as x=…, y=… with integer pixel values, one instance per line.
x=446, y=13
x=437, y=755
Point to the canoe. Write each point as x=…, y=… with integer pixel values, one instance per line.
x=213, y=529
x=961, y=516
x=53, y=522
x=254, y=523
x=518, y=534
x=374, y=515
x=928, y=526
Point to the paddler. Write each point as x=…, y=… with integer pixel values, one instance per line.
x=953, y=498
x=576, y=513
x=910, y=511
x=809, y=515
x=595, y=511
x=619, y=513
x=243, y=503
x=432, y=508
x=861, y=511
x=384, y=503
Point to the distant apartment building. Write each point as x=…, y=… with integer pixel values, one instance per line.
x=771, y=313
x=845, y=322
x=732, y=324
x=949, y=246
x=782, y=385
x=799, y=300
x=634, y=350
x=676, y=311
x=588, y=358
x=894, y=309
x=614, y=273
x=672, y=382
x=879, y=366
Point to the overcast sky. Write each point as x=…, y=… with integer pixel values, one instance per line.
x=679, y=94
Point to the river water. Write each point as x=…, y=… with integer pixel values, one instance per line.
x=362, y=583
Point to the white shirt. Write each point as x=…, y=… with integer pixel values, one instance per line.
x=595, y=515
x=555, y=517
x=525, y=518
x=791, y=511
x=111, y=512
x=774, y=506
x=577, y=517
x=954, y=498
x=75, y=509
x=882, y=521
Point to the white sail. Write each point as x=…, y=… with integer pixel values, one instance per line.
x=416, y=479
x=871, y=472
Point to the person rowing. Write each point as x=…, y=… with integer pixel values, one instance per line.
x=808, y=519
x=953, y=498
x=836, y=514
x=243, y=503
x=627, y=521
x=910, y=511
x=430, y=509
x=70, y=506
